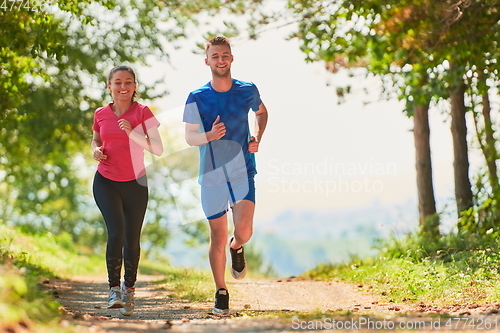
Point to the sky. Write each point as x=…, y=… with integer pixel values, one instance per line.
x=315, y=154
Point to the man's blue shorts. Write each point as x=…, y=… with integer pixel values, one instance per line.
x=216, y=201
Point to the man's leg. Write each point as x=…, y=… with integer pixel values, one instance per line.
x=243, y=212
x=217, y=250
x=217, y=257
x=243, y=227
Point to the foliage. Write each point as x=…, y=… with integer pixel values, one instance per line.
x=411, y=41
x=54, y=57
x=52, y=89
x=456, y=269
x=25, y=261
x=24, y=305
x=53, y=60
x=256, y=263
x=423, y=50
x=47, y=254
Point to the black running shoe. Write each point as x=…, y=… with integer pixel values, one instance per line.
x=238, y=266
x=221, y=301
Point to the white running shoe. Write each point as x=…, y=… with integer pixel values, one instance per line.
x=128, y=300
x=115, y=298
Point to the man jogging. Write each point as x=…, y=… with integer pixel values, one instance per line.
x=216, y=117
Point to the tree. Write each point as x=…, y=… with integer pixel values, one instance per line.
x=414, y=42
x=371, y=34
x=55, y=58
x=53, y=62
x=485, y=131
x=429, y=221
x=463, y=191
x=466, y=38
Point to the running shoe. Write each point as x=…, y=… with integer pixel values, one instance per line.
x=238, y=266
x=221, y=301
x=115, y=298
x=128, y=300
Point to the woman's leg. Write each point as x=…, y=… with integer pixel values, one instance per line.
x=135, y=201
x=110, y=203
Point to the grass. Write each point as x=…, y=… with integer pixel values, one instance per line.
x=24, y=261
x=447, y=273
x=28, y=259
x=47, y=254
x=451, y=271
x=188, y=284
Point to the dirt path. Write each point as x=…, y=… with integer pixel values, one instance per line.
x=84, y=299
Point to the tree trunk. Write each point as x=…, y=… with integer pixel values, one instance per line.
x=490, y=153
x=428, y=218
x=486, y=140
x=463, y=192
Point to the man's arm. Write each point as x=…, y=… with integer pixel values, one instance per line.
x=260, y=121
x=195, y=138
x=260, y=127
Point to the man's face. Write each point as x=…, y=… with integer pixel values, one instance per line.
x=219, y=59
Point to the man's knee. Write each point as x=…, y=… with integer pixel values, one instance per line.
x=243, y=235
x=218, y=235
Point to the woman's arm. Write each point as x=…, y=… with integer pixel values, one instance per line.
x=96, y=145
x=151, y=142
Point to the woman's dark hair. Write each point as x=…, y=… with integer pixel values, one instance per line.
x=127, y=69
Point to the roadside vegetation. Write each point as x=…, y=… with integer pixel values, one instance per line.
x=455, y=269
x=181, y=283
x=27, y=261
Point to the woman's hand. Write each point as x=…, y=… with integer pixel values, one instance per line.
x=125, y=125
x=99, y=154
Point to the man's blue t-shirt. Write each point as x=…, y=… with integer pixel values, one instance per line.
x=228, y=158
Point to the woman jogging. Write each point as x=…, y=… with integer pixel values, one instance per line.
x=122, y=130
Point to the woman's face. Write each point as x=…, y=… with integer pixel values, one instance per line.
x=122, y=86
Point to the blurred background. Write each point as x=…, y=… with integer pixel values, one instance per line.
x=337, y=166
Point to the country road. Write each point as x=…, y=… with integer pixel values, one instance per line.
x=256, y=305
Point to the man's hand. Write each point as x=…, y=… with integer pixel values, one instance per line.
x=253, y=145
x=218, y=130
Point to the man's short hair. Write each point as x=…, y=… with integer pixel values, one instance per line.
x=218, y=40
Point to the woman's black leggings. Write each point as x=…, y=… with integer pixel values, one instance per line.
x=123, y=206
